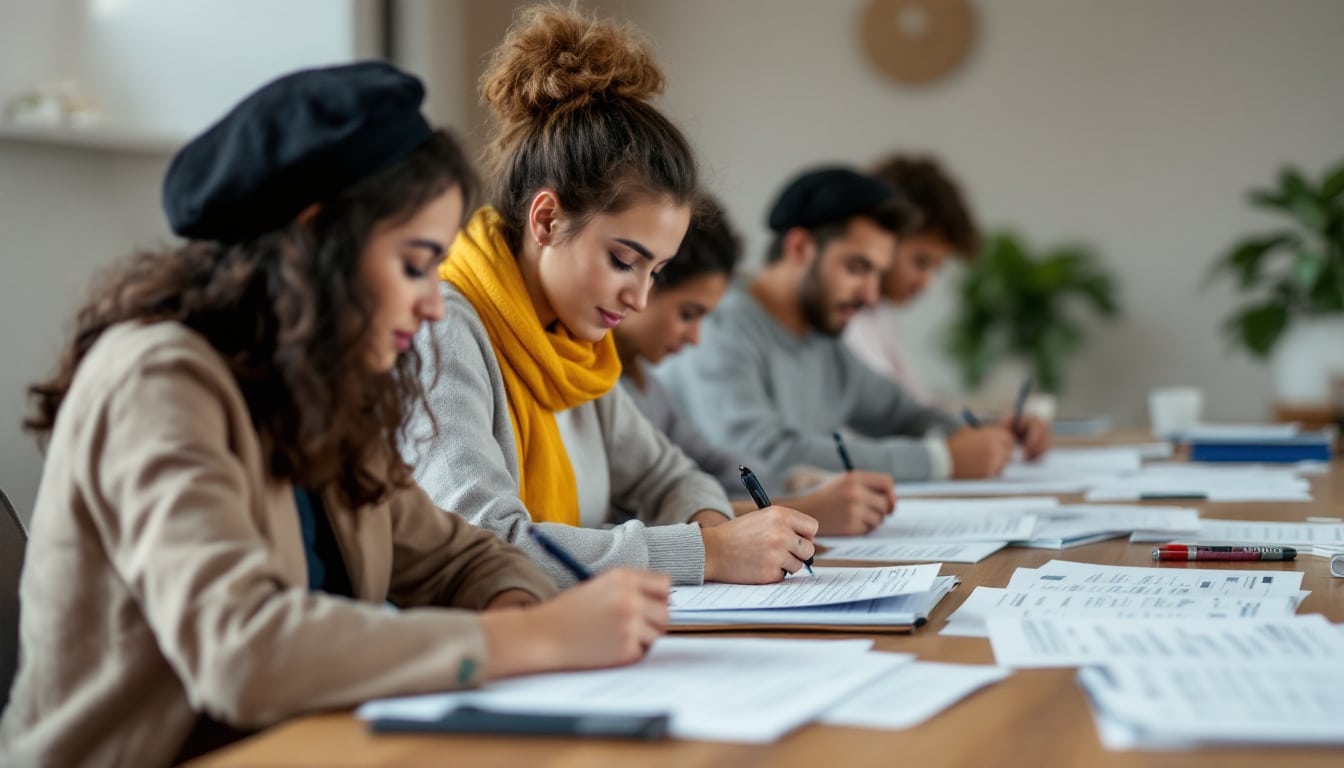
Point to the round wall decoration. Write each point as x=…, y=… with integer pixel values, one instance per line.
x=917, y=41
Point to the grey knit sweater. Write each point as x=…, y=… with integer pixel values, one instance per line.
x=471, y=465
x=752, y=387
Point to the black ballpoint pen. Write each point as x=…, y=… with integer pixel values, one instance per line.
x=580, y=572
x=840, y=449
x=1021, y=403
x=970, y=418
x=759, y=496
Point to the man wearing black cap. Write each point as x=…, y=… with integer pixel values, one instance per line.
x=770, y=377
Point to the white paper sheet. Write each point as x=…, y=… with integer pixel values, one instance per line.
x=1067, y=576
x=1068, y=642
x=902, y=610
x=892, y=551
x=1071, y=463
x=828, y=586
x=983, y=602
x=1252, y=532
x=955, y=526
x=1081, y=523
x=989, y=487
x=719, y=689
x=911, y=694
x=932, y=507
x=1179, y=705
x=1216, y=483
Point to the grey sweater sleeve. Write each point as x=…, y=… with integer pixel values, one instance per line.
x=471, y=465
x=653, y=478
x=662, y=411
x=724, y=385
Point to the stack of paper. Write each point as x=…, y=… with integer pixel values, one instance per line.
x=838, y=599
x=971, y=616
x=1178, y=705
x=1159, y=673
x=1212, y=483
x=1062, y=470
x=1062, y=589
x=1100, y=641
x=1080, y=578
x=720, y=689
x=943, y=530
x=734, y=689
x=1078, y=524
x=1252, y=532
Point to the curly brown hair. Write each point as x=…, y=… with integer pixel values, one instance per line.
x=570, y=98
x=935, y=195
x=289, y=314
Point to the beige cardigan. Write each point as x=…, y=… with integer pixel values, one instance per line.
x=165, y=576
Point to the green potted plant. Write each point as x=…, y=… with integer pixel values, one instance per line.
x=1016, y=304
x=1293, y=279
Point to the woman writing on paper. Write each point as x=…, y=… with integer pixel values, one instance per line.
x=223, y=513
x=686, y=290
x=593, y=193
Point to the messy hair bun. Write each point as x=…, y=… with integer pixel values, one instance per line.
x=554, y=60
x=569, y=94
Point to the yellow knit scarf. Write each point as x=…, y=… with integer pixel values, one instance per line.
x=544, y=371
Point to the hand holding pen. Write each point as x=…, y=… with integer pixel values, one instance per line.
x=761, y=547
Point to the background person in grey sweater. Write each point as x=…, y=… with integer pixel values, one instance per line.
x=770, y=376
x=688, y=289
x=594, y=193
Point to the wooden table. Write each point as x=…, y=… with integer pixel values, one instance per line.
x=1034, y=718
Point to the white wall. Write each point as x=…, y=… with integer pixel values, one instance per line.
x=1134, y=125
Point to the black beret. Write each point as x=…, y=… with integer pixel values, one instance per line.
x=297, y=140
x=829, y=195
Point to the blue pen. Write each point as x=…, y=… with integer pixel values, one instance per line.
x=555, y=550
x=1021, y=402
x=840, y=449
x=762, y=501
x=970, y=418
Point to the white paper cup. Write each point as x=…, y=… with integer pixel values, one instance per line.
x=1172, y=411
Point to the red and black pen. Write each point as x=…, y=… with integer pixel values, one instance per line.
x=1192, y=552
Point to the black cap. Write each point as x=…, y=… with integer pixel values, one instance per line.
x=829, y=195
x=297, y=140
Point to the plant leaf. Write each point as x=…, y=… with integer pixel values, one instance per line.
x=1259, y=327
x=1333, y=186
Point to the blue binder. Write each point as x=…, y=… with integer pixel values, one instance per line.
x=1304, y=446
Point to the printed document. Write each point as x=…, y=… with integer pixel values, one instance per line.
x=719, y=689
x=828, y=586
x=1070, y=642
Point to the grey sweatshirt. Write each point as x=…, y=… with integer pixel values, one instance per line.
x=752, y=386
x=471, y=466
x=662, y=411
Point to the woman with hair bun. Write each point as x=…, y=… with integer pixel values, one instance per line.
x=593, y=189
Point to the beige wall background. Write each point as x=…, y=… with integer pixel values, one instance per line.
x=1133, y=125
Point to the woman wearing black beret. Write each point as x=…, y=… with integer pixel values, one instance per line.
x=223, y=514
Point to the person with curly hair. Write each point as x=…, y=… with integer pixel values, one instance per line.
x=224, y=516
x=946, y=230
x=593, y=191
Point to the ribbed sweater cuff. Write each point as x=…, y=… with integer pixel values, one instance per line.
x=678, y=551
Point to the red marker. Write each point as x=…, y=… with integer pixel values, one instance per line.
x=1191, y=552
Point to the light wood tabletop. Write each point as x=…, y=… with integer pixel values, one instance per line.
x=1034, y=718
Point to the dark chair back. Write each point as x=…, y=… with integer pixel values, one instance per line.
x=13, y=539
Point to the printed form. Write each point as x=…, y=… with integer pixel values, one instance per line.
x=828, y=586
x=718, y=689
